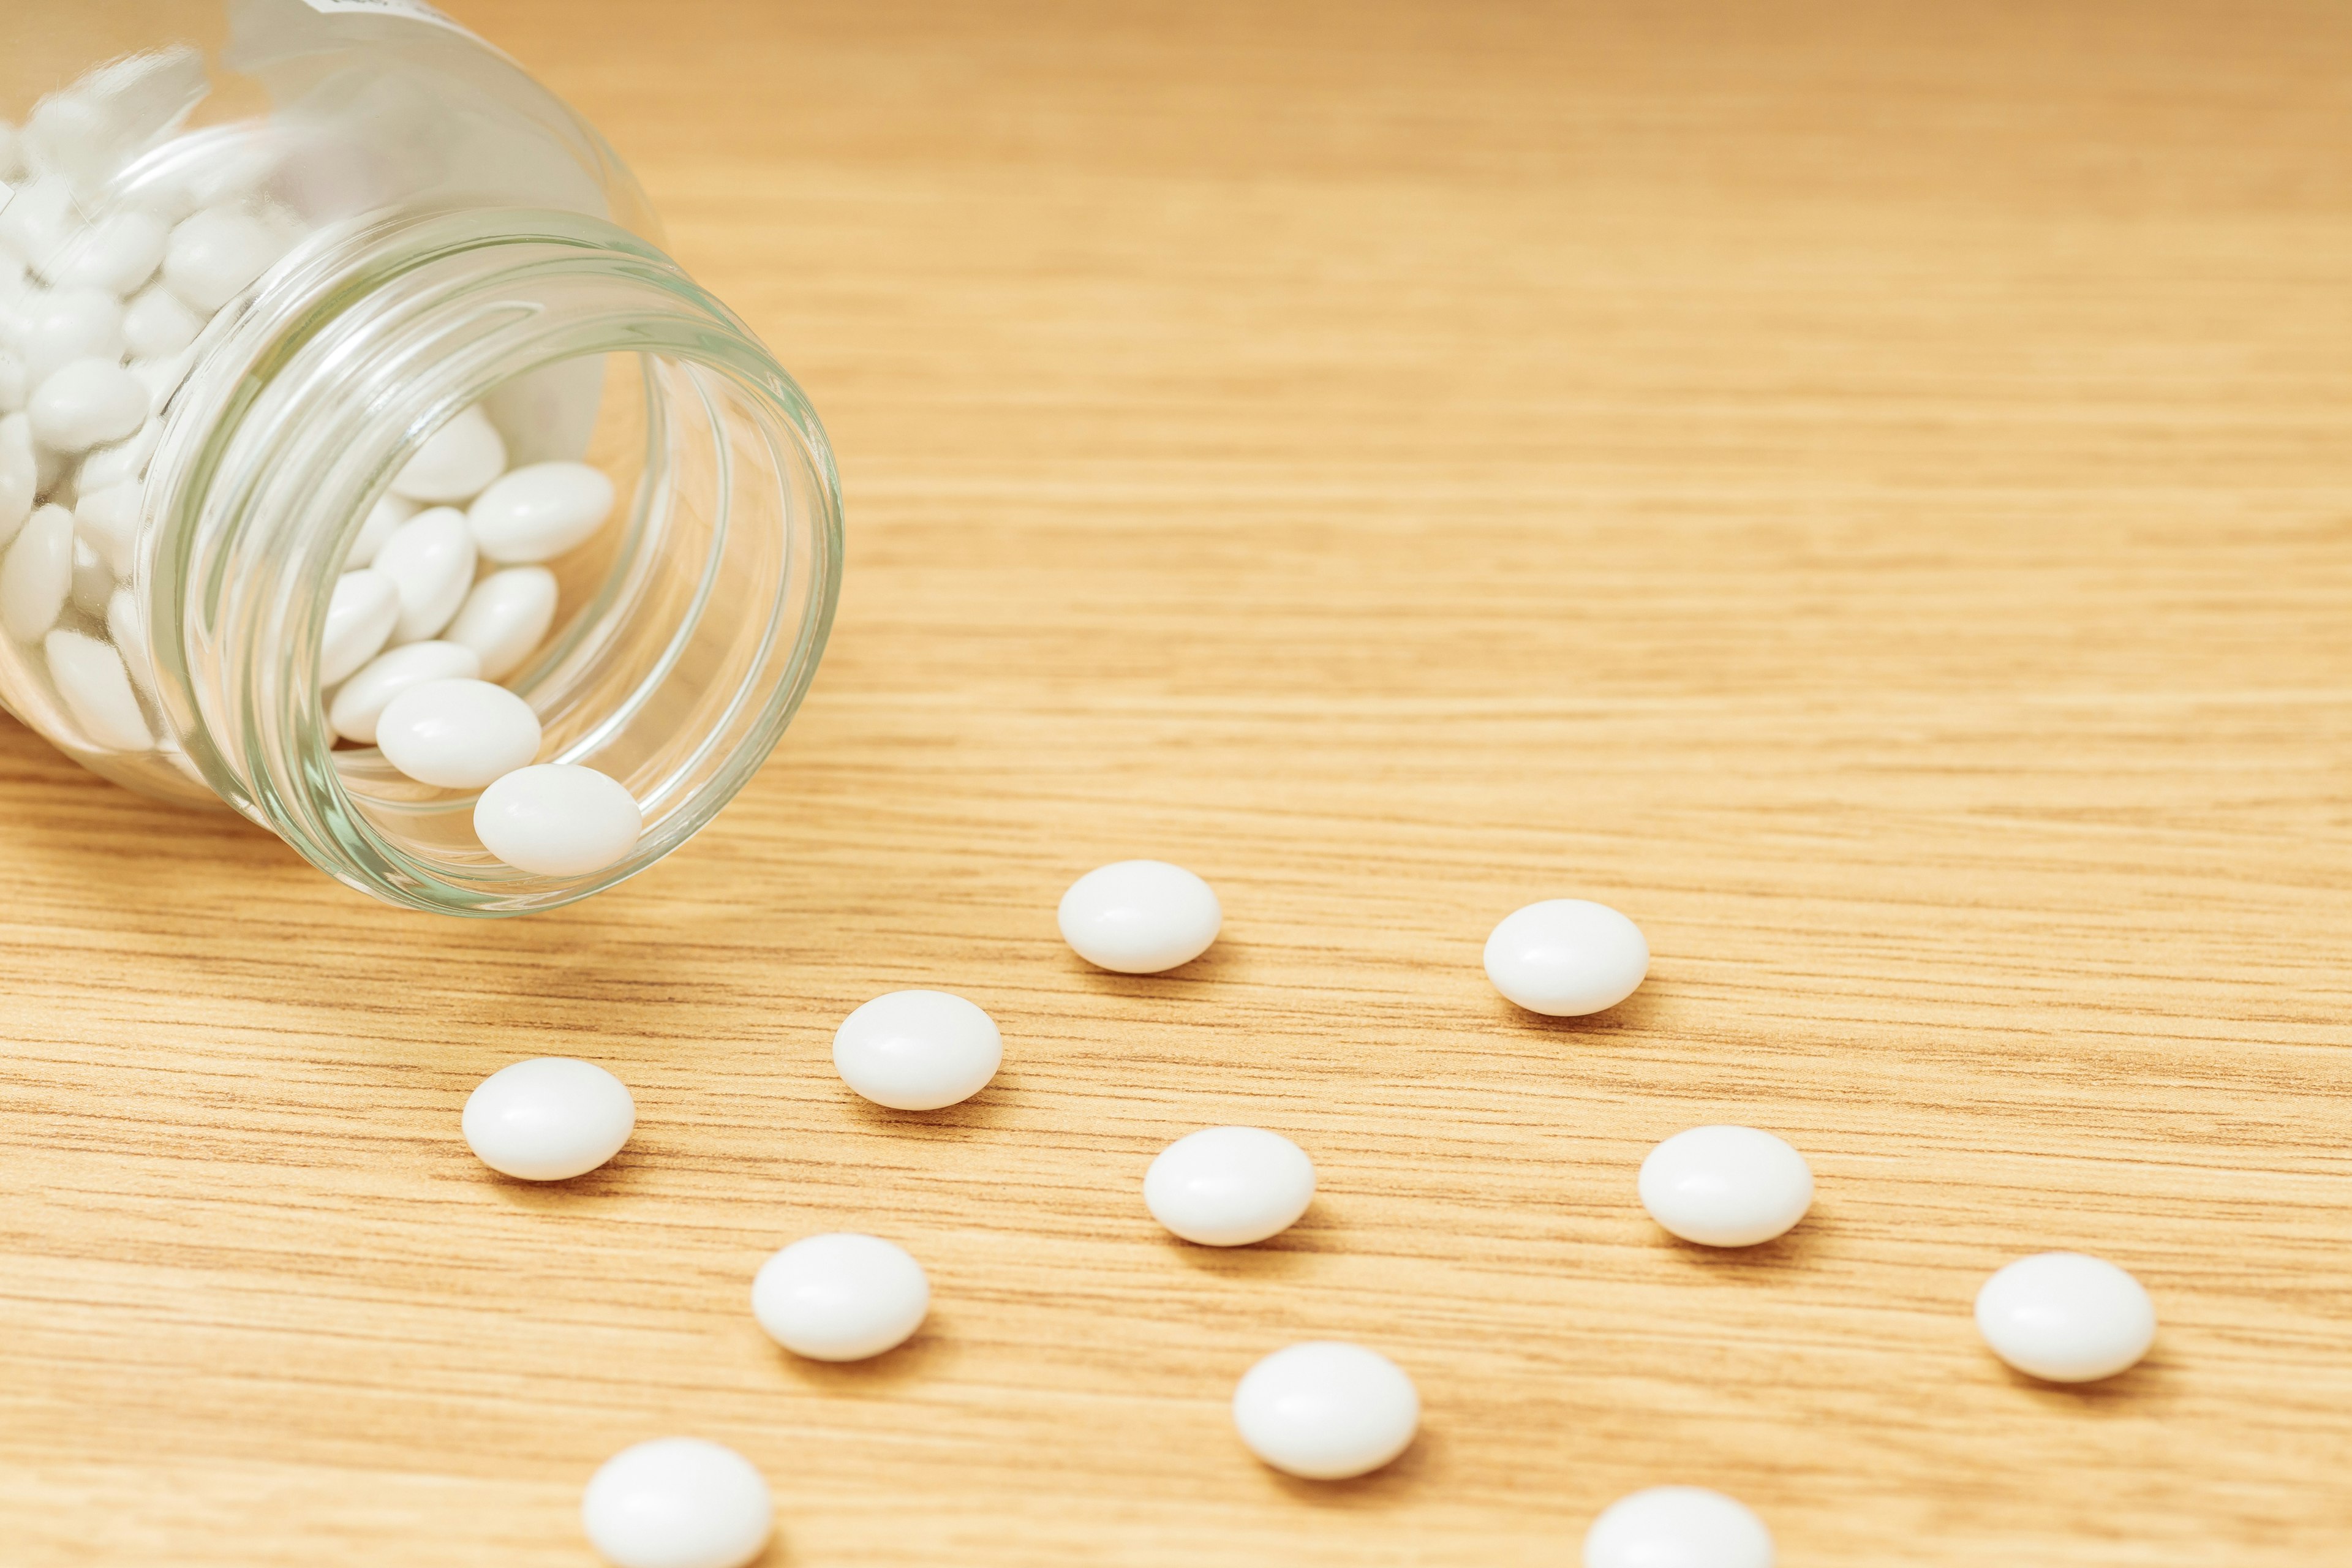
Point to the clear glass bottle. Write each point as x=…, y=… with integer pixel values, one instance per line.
x=410, y=233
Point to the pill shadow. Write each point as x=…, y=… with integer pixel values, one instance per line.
x=1636, y=1014
x=616, y=1177
x=1794, y=1249
x=929, y=1354
x=2128, y=1393
x=1259, y=1260
x=1393, y=1485
x=1221, y=964
x=986, y=1111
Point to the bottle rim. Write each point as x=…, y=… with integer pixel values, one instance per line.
x=370, y=339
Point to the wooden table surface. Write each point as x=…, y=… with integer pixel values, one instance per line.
x=1863, y=488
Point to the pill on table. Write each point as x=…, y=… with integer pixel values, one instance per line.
x=841, y=1297
x=540, y=510
x=213, y=255
x=2067, y=1317
x=360, y=617
x=1139, y=917
x=558, y=819
x=1326, y=1410
x=548, y=1119
x=505, y=616
x=57, y=326
x=677, y=1502
x=454, y=462
x=383, y=519
x=118, y=253
x=457, y=734
x=107, y=520
x=91, y=680
x=361, y=700
x=917, y=1050
x=1567, y=957
x=1725, y=1186
x=36, y=574
x=1677, y=1527
x=430, y=560
x=157, y=322
x=1229, y=1186
x=87, y=402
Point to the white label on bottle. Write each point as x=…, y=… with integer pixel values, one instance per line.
x=414, y=10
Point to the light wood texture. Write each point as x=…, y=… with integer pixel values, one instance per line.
x=1862, y=488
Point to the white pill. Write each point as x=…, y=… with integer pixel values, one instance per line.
x=20, y=471
x=118, y=253
x=84, y=403
x=558, y=819
x=505, y=618
x=215, y=254
x=90, y=677
x=430, y=560
x=677, y=1502
x=107, y=520
x=125, y=460
x=840, y=1297
x=161, y=377
x=1677, y=1527
x=40, y=220
x=917, y=1050
x=36, y=574
x=158, y=323
x=360, y=617
x=454, y=462
x=128, y=628
x=457, y=734
x=383, y=520
x=548, y=1119
x=16, y=383
x=57, y=326
x=1725, y=1186
x=93, y=582
x=537, y=512
x=1567, y=957
x=1139, y=917
x=361, y=700
x=1326, y=1410
x=1229, y=1186
x=2067, y=1317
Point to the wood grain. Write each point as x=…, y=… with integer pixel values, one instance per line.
x=1863, y=488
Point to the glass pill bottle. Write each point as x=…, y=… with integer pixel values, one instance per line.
x=366, y=466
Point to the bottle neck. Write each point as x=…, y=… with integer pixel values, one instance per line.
x=693, y=636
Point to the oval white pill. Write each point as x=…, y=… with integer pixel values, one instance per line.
x=841, y=1297
x=213, y=255
x=1677, y=1527
x=457, y=734
x=109, y=520
x=1567, y=957
x=57, y=326
x=548, y=1119
x=158, y=323
x=917, y=1050
x=558, y=819
x=454, y=462
x=677, y=1502
x=505, y=618
x=117, y=253
x=360, y=617
x=1326, y=1410
x=1229, y=1186
x=384, y=519
x=2067, y=1317
x=36, y=574
x=362, y=699
x=19, y=474
x=540, y=510
x=1725, y=1186
x=430, y=560
x=87, y=402
x=1139, y=917
x=90, y=677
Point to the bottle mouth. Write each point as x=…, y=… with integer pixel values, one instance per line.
x=689, y=628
